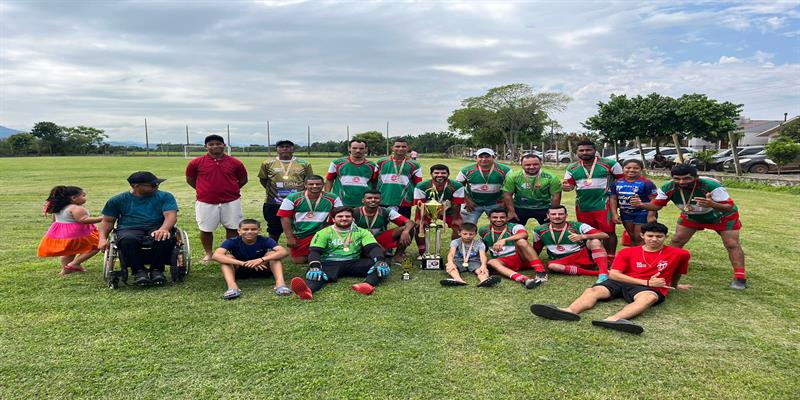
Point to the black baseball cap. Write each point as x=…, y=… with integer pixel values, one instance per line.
x=284, y=143
x=146, y=177
x=214, y=137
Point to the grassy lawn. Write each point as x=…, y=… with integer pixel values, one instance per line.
x=74, y=338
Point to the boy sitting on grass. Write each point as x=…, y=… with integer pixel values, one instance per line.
x=468, y=253
x=251, y=255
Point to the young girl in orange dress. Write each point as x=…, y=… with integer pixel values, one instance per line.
x=73, y=236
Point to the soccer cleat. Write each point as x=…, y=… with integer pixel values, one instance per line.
x=620, y=325
x=452, y=282
x=601, y=278
x=141, y=277
x=541, y=276
x=363, y=288
x=300, y=288
x=550, y=311
x=738, y=283
x=157, y=277
x=532, y=283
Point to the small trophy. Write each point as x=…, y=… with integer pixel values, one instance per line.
x=406, y=270
x=432, y=232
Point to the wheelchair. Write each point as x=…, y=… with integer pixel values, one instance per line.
x=180, y=260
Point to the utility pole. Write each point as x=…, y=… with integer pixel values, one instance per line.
x=146, y=139
x=308, y=132
x=187, y=135
x=268, y=143
x=387, y=138
x=348, y=133
x=229, y=139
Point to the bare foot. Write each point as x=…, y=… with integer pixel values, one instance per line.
x=205, y=259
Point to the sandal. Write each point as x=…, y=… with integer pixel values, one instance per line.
x=490, y=281
x=452, y=282
x=231, y=294
x=283, y=290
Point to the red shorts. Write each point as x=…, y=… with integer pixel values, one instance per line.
x=734, y=224
x=303, y=247
x=386, y=240
x=513, y=262
x=600, y=219
x=580, y=258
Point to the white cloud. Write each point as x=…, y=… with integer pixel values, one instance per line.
x=461, y=42
x=465, y=70
x=729, y=60
x=580, y=36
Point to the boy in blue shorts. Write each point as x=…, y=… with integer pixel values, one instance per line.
x=468, y=253
x=622, y=190
x=250, y=255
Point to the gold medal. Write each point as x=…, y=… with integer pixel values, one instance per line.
x=465, y=264
x=286, y=177
x=345, y=248
x=589, y=173
x=287, y=169
x=687, y=206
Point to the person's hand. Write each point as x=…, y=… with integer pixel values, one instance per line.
x=469, y=205
x=381, y=268
x=482, y=270
x=160, y=234
x=617, y=219
x=705, y=202
x=635, y=201
x=405, y=238
x=656, y=281
x=498, y=245
x=102, y=244
x=315, y=273
x=652, y=218
x=685, y=286
x=576, y=237
x=291, y=241
x=566, y=186
x=253, y=263
x=512, y=216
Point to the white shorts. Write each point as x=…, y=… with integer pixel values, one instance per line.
x=209, y=216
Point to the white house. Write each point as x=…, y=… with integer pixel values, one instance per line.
x=756, y=132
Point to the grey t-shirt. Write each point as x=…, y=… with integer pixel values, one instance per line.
x=477, y=245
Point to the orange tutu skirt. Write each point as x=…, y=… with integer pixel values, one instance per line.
x=68, y=238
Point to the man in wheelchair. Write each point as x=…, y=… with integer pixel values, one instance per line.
x=145, y=219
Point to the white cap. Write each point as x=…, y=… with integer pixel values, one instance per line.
x=485, y=150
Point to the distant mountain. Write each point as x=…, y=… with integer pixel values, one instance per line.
x=126, y=143
x=6, y=132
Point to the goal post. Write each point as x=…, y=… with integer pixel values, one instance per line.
x=193, y=151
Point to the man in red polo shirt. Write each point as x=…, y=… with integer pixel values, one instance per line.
x=217, y=178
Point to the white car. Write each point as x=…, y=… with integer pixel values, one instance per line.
x=630, y=153
x=563, y=156
x=670, y=153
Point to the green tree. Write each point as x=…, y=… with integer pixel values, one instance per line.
x=783, y=151
x=21, y=143
x=701, y=117
x=615, y=121
x=52, y=136
x=791, y=130
x=514, y=113
x=435, y=142
x=376, y=142
x=84, y=139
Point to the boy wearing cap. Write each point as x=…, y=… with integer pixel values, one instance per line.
x=142, y=212
x=216, y=178
x=281, y=176
x=483, y=182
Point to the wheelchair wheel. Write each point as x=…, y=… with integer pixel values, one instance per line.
x=110, y=258
x=183, y=257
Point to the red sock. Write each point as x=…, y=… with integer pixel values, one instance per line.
x=600, y=257
x=738, y=273
x=519, y=277
x=537, y=265
x=576, y=270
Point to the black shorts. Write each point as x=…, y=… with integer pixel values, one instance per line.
x=524, y=214
x=270, y=211
x=247, y=273
x=627, y=291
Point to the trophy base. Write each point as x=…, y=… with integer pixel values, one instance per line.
x=406, y=276
x=434, y=263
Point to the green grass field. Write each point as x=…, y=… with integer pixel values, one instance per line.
x=72, y=337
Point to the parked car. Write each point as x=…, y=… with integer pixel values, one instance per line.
x=670, y=153
x=563, y=156
x=725, y=155
x=630, y=153
x=760, y=164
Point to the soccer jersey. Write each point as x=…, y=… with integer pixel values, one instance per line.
x=592, y=192
x=624, y=190
x=532, y=192
x=693, y=211
x=278, y=187
x=557, y=241
x=474, y=254
x=245, y=252
x=380, y=221
x=396, y=181
x=333, y=243
x=640, y=264
x=308, y=218
x=484, y=187
x=452, y=191
x=350, y=180
x=491, y=237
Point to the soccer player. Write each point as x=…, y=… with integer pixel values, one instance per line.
x=641, y=275
x=567, y=243
x=217, y=179
x=348, y=178
x=303, y=214
x=704, y=204
x=530, y=193
x=397, y=176
x=251, y=255
x=632, y=183
x=338, y=250
x=445, y=191
x=374, y=218
x=281, y=176
x=592, y=176
x=483, y=182
x=508, y=244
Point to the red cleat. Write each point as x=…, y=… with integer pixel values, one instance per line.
x=300, y=288
x=363, y=288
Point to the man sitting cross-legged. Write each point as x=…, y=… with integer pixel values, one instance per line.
x=337, y=251
x=641, y=275
x=508, y=244
x=567, y=243
x=374, y=218
x=250, y=255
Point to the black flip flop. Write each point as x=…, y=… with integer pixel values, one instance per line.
x=490, y=281
x=451, y=282
x=621, y=325
x=550, y=311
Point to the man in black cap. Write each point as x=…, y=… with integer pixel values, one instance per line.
x=281, y=176
x=144, y=217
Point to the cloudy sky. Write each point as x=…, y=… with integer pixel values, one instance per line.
x=328, y=64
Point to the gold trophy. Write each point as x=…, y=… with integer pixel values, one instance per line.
x=432, y=232
x=406, y=270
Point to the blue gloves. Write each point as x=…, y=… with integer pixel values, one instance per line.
x=381, y=268
x=315, y=273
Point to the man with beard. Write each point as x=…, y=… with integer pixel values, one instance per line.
x=374, y=218
x=444, y=190
x=592, y=176
x=508, y=244
x=305, y=213
x=567, y=243
x=281, y=176
x=704, y=204
x=348, y=178
x=483, y=182
x=342, y=249
x=529, y=193
x=217, y=178
x=397, y=176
